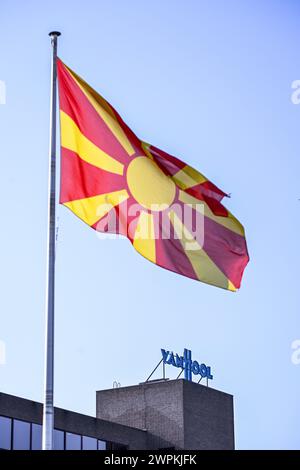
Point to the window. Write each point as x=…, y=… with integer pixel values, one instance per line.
x=5, y=433
x=36, y=437
x=89, y=443
x=73, y=441
x=115, y=446
x=58, y=440
x=21, y=437
x=101, y=445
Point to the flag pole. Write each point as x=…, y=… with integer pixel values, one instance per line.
x=48, y=409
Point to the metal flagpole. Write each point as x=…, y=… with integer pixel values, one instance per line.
x=48, y=411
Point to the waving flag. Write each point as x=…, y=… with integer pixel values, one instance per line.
x=117, y=183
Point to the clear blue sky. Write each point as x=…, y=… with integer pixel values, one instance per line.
x=210, y=82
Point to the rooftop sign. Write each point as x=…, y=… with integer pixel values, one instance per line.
x=186, y=363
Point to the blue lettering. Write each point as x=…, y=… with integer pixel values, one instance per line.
x=195, y=367
x=179, y=361
x=171, y=360
x=203, y=370
x=186, y=363
x=209, y=374
x=164, y=355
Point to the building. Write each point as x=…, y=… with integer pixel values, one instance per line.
x=162, y=414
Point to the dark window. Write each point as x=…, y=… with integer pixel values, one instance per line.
x=89, y=443
x=36, y=442
x=115, y=446
x=5, y=433
x=101, y=445
x=59, y=439
x=21, y=438
x=73, y=441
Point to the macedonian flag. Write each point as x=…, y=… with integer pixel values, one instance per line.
x=117, y=183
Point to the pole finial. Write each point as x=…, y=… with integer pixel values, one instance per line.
x=55, y=33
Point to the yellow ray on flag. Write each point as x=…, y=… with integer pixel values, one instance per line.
x=229, y=222
x=205, y=269
x=105, y=112
x=145, y=147
x=144, y=238
x=188, y=177
x=73, y=139
x=92, y=209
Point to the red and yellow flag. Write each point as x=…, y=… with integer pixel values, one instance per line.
x=117, y=183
